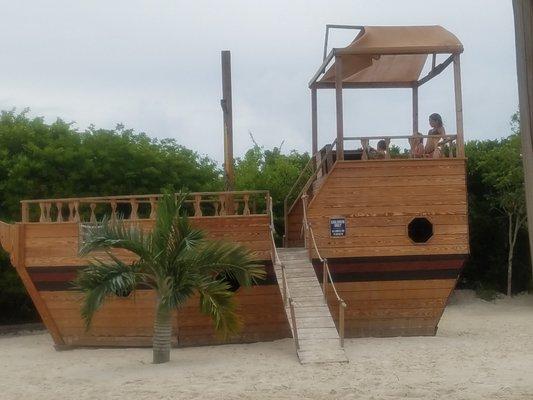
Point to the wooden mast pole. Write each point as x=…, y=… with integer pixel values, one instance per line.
x=338, y=106
x=458, y=105
x=523, y=13
x=227, y=110
x=415, y=109
x=314, y=121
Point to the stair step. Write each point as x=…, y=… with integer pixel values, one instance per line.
x=318, y=337
x=318, y=333
x=315, y=322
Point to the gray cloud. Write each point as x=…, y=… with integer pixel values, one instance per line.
x=155, y=66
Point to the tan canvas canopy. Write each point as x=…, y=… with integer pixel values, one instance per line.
x=386, y=57
x=392, y=55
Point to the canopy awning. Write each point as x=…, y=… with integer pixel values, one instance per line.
x=389, y=54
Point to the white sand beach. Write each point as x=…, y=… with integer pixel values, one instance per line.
x=483, y=350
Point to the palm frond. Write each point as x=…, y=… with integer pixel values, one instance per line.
x=102, y=279
x=233, y=260
x=217, y=301
x=118, y=235
x=173, y=232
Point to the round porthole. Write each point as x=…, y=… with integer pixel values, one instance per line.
x=420, y=230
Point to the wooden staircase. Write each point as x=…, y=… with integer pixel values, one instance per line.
x=316, y=336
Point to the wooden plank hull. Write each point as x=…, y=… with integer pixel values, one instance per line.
x=47, y=259
x=392, y=285
x=392, y=296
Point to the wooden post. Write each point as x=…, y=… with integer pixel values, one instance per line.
x=325, y=280
x=314, y=121
x=25, y=212
x=415, y=109
x=284, y=283
x=458, y=105
x=304, y=221
x=523, y=13
x=227, y=109
x=338, y=106
x=342, y=306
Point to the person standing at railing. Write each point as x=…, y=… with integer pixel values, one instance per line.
x=432, y=149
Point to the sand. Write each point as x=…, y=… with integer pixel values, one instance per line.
x=483, y=350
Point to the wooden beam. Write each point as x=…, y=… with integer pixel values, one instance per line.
x=314, y=121
x=40, y=305
x=436, y=70
x=335, y=26
x=415, y=109
x=227, y=109
x=338, y=107
x=322, y=68
x=365, y=85
x=458, y=105
x=523, y=13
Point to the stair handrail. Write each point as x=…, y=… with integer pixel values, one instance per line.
x=305, y=188
x=326, y=273
x=285, y=293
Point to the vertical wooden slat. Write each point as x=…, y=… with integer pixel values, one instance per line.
x=246, y=207
x=76, y=211
x=338, y=107
x=197, y=205
x=71, y=211
x=25, y=214
x=59, y=206
x=222, y=200
x=92, y=218
x=364, y=145
x=113, y=204
x=458, y=105
x=47, y=208
x=134, y=209
x=153, y=208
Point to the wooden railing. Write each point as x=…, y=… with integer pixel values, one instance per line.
x=379, y=147
x=326, y=274
x=136, y=207
x=311, y=177
x=285, y=292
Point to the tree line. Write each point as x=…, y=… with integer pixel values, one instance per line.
x=55, y=160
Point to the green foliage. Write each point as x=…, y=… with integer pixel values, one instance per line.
x=174, y=259
x=262, y=169
x=15, y=304
x=40, y=160
x=495, y=187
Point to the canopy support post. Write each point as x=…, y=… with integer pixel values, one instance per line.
x=458, y=105
x=314, y=121
x=338, y=106
x=415, y=109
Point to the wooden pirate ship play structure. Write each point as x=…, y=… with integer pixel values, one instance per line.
x=374, y=243
x=391, y=232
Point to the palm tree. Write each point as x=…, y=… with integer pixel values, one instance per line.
x=176, y=261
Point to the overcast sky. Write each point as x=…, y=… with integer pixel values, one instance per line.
x=155, y=66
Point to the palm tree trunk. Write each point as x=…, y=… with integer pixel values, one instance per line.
x=162, y=335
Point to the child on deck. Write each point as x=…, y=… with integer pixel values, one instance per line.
x=417, y=145
x=437, y=129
